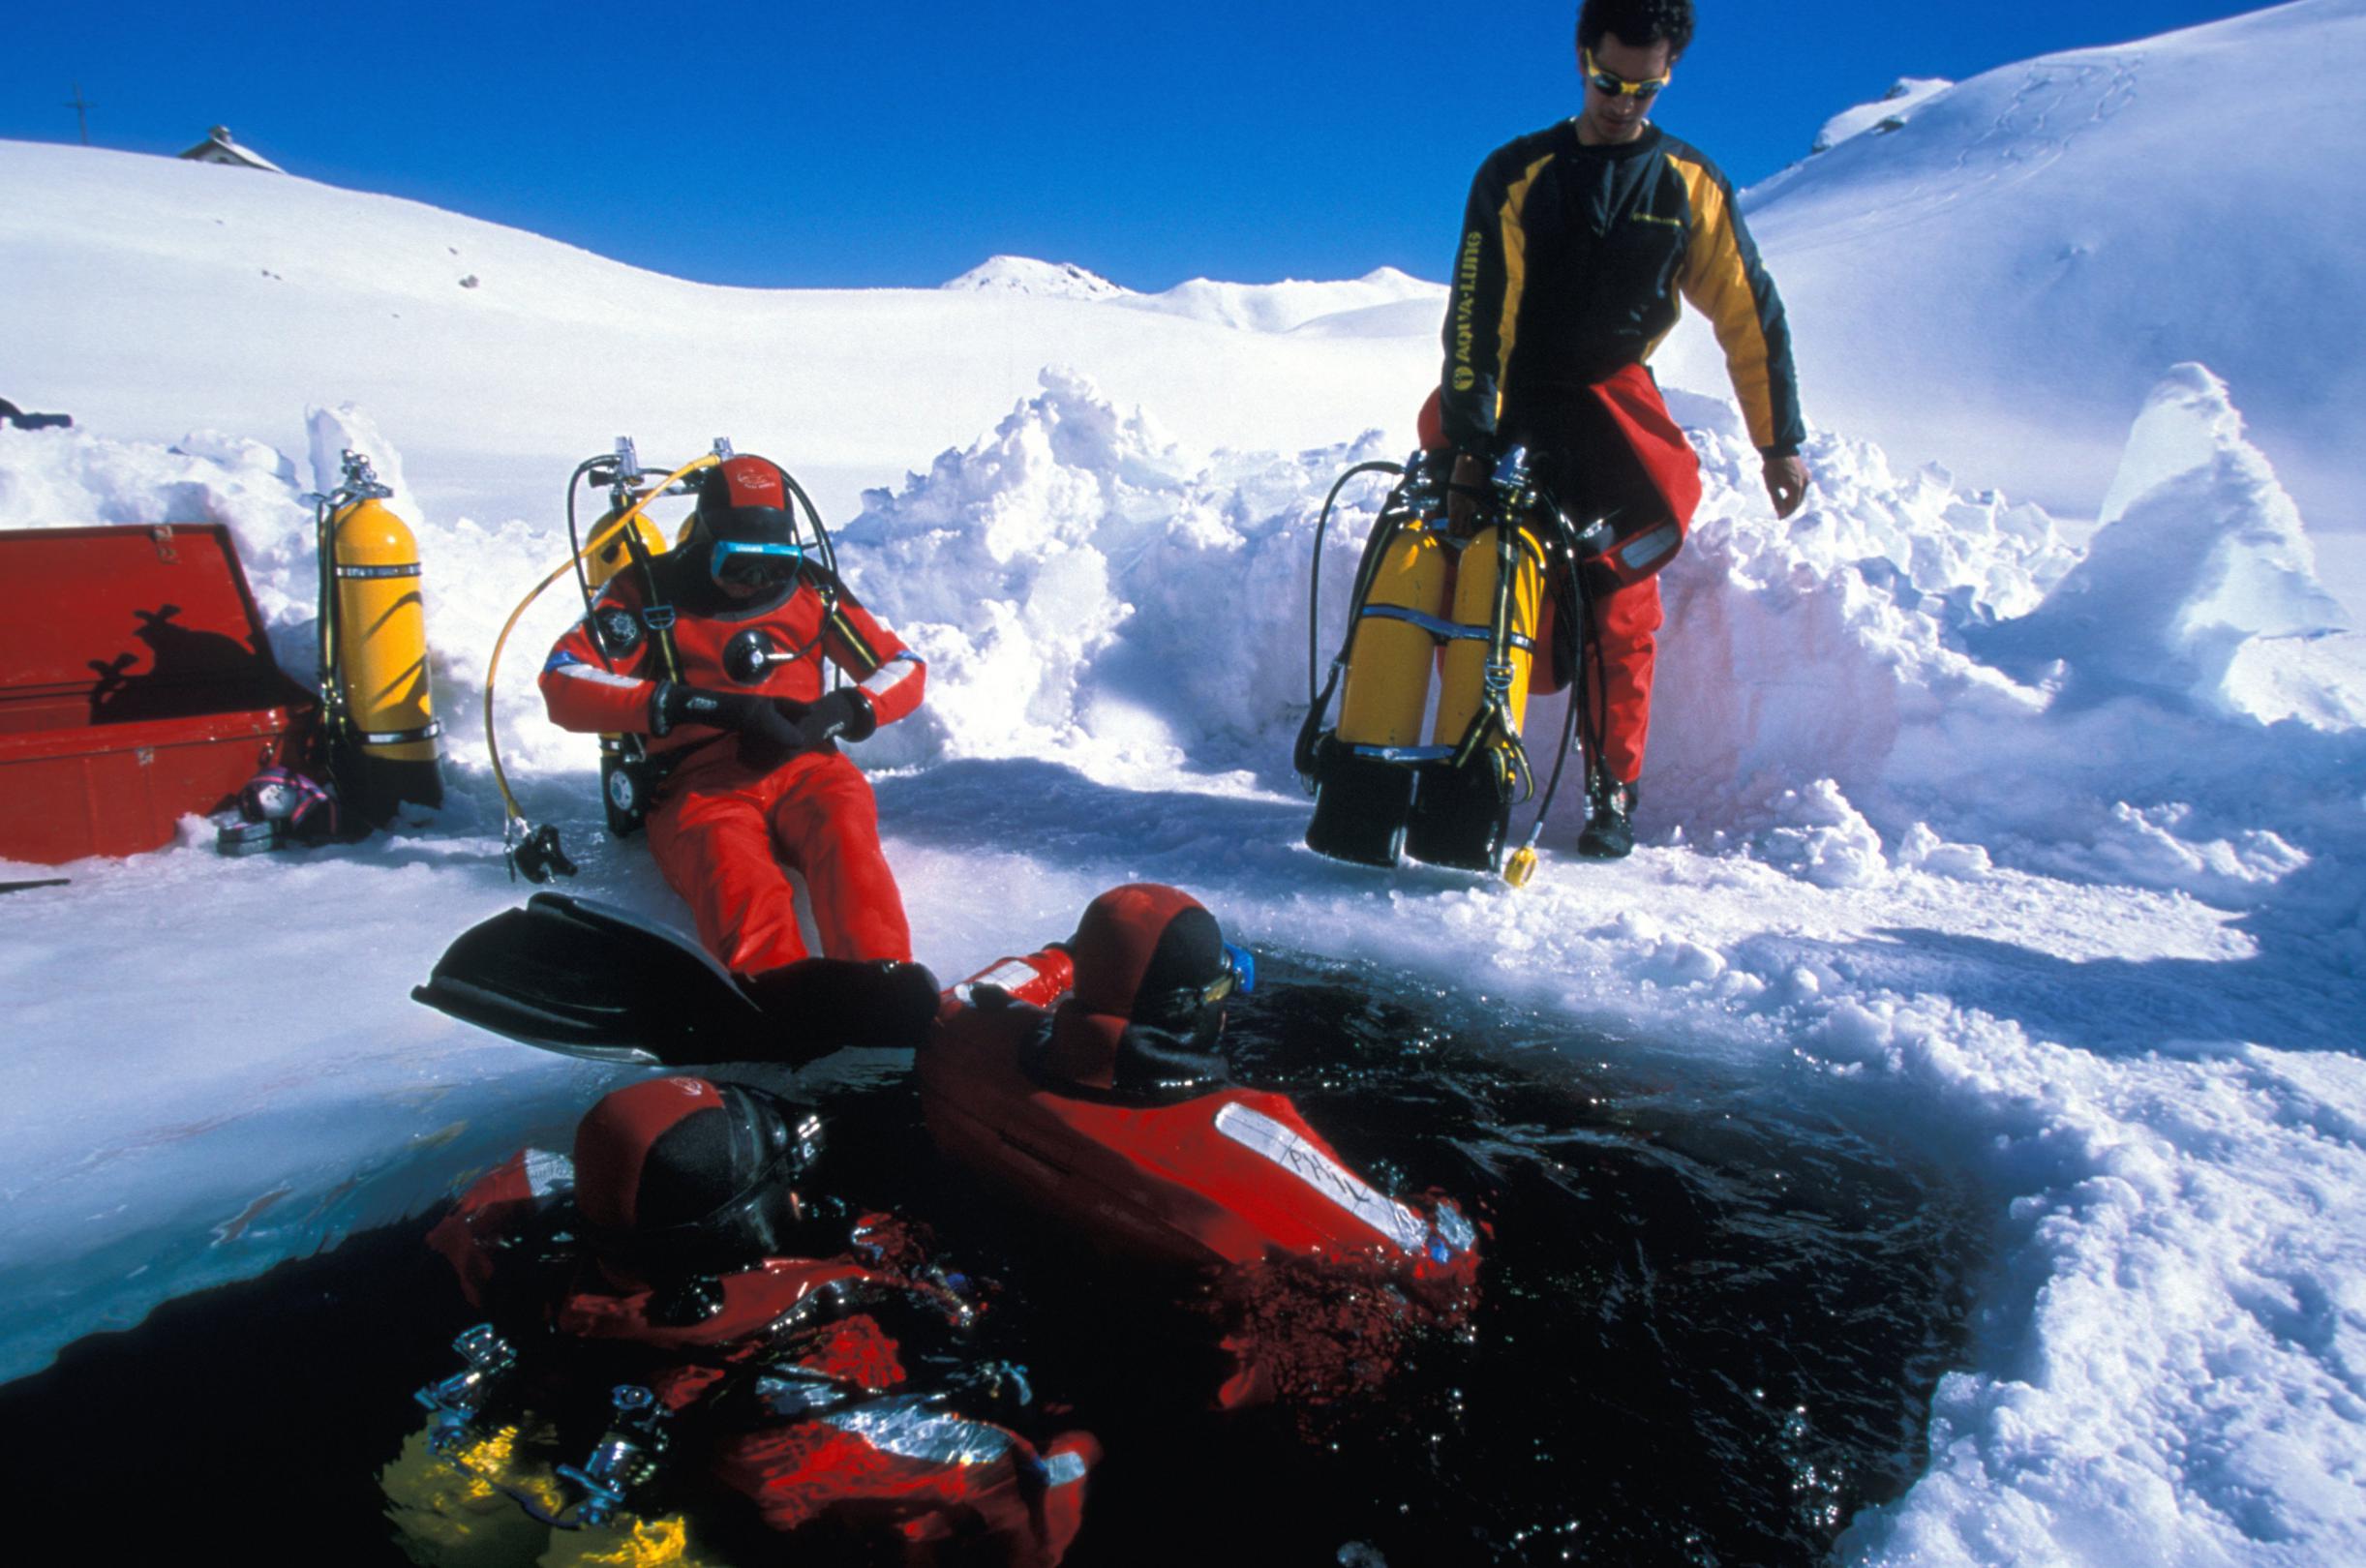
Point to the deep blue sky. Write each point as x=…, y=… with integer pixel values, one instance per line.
x=890, y=144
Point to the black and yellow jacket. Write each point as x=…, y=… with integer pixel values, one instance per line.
x=1571, y=262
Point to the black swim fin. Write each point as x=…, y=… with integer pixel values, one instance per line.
x=589, y=980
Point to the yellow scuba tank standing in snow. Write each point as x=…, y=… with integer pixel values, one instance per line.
x=1476, y=592
x=1387, y=686
x=1362, y=785
x=1366, y=791
x=381, y=731
x=1464, y=806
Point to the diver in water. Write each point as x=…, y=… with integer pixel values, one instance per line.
x=684, y=1336
x=1088, y=1082
x=1153, y=978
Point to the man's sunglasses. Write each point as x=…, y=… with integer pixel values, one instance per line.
x=1618, y=87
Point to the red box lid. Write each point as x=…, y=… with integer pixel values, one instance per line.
x=130, y=623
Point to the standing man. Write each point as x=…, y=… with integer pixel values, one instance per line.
x=1577, y=243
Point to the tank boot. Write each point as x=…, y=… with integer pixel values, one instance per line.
x=1610, y=818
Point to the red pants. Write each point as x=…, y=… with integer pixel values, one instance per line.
x=726, y=839
x=1625, y=621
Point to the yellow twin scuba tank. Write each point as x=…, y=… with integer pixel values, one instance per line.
x=373, y=628
x=1425, y=586
x=623, y=537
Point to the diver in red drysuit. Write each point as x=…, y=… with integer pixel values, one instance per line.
x=669, y=1253
x=757, y=785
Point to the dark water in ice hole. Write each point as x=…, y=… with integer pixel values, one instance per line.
x=1709, y=1330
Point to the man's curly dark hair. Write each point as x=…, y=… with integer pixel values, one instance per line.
x=1640, y=23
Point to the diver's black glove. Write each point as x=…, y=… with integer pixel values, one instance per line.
x=768, y=736
x=845, y=715
x=674, y=704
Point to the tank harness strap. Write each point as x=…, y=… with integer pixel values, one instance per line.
x=334, y=720
x=391, y=737
x=657, y=616
x=1444, y=631
x=1307, y=754
x=1494, y=719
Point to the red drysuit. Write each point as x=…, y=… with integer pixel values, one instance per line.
x=794, y=1396
x=1611, y=444
x=725, y=832
x=1627, y=619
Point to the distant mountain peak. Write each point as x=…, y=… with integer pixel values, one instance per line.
x=1024, y=275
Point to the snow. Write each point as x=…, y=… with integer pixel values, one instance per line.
x=2199, y=554
x=1407, y=304
x=1997, y=284
x=1045, y=280
x=2038, y=845
x=1889, y=112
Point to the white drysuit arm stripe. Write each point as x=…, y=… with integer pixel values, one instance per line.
x=577, y=669
x=898, y=670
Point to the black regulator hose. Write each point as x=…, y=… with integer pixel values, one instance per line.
x=1576, y=611
x=1314, y=602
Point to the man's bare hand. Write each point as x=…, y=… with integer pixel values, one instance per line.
x=1786, y=483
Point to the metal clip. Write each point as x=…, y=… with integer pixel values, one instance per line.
x=1511, y=480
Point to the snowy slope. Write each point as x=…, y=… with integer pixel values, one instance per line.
x=370, y=301
x=1292, y=303
x=1996, y=284
x=2036, y=855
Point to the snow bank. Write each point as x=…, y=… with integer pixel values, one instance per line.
x=2170, y=1362
x=1902, y=668
x=2201, y=552
x=1083, y=587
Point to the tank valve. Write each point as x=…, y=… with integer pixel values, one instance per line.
x=625, y=1457
x=455, y=1402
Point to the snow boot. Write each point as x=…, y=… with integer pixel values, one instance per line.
x=1610, y=818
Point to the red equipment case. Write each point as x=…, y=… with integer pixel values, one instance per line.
x=136, y=685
